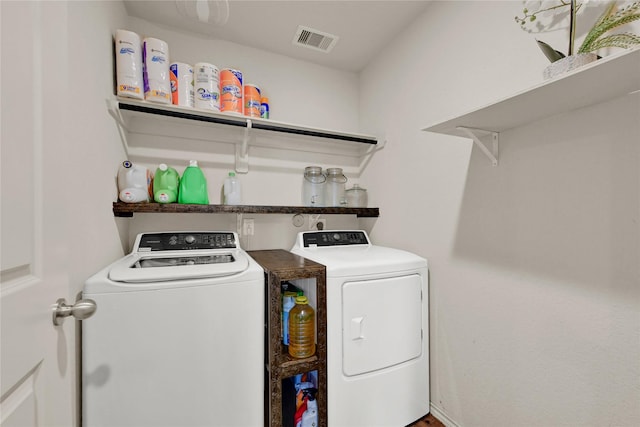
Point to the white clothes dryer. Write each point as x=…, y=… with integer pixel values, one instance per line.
x=178, y=335
x=377, y=329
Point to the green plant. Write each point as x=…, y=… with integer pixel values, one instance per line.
x=597, y=37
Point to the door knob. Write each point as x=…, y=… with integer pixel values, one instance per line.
x=81, y=310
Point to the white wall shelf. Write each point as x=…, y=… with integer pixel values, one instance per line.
x=152, y=131
x=603, y=80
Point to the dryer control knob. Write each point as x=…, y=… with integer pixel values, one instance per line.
x=190, y=239
x=336, y=236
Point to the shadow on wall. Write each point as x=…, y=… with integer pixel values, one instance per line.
x=564, y=201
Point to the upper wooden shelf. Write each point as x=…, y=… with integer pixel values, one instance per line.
x=603, y=80
x=121, y=209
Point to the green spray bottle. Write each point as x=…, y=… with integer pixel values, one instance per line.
x=165, y=184
x=193, y=186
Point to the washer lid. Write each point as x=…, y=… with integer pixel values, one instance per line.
x=169, y=256
x=165, y=266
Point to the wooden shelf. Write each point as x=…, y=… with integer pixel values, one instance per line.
x=121, y=209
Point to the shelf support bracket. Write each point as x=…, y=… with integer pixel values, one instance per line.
x=242, y=150
x=369, y=154
x=114, y=111
x=475, y=135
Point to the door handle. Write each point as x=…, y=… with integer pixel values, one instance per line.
x=357, y=324
x=81, y=310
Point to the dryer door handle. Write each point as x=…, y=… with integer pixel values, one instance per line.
x=357, y=328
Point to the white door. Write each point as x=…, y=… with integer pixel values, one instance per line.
x=37, y=359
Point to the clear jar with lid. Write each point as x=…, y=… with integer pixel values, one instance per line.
x=313, y=184
x=357, y=197
x=335, y=188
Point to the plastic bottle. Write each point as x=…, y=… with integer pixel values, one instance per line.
x=134, y=183
x=288, y=303
x=232, y=190
x=165, y=184
x=302, y=329
x=193, y=186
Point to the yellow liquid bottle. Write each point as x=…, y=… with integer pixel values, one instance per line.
x=302, y=329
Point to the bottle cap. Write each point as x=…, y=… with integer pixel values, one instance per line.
x=193, y=163
x=232, y=174
x=162, y=166
x=301, y=300
x=264, y=100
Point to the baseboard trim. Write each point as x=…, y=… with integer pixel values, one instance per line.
x=442, y=416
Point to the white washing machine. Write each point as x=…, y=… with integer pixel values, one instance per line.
x=178, y=335
x=377, y=329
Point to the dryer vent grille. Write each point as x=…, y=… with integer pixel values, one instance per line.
x=314, y=39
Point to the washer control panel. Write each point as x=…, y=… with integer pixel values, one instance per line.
x=335, y=238
x=151, y=242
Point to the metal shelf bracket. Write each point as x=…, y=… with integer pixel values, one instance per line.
x=114, y=111
x=242, y=150
x=476, y=134
x=369, y=154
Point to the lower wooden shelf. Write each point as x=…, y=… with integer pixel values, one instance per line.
x=121, y=209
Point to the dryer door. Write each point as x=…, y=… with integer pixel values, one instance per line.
x=381, y=323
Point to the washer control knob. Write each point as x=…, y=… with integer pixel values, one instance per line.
x=190, y=239
x=336, y=236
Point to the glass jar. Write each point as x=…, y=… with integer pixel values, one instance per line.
x=313, y=186
x=335, y=188
x=356, y=197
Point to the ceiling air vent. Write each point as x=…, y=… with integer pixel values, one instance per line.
x=314, y=39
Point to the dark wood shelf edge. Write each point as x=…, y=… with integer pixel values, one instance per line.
x=121, y=209
x=241, y=121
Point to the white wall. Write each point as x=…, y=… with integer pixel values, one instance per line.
x=535, y=303
x=95, y=237
x=533, y=264
x=95, y=141
x=299, y=92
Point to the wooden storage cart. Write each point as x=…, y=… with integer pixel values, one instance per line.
x=281, y=266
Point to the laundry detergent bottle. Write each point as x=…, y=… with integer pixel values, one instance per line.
x=165, y=184
x=134, y=183
x=193, y=186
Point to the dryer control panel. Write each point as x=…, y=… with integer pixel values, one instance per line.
x=335, y=238
x=151, y=242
